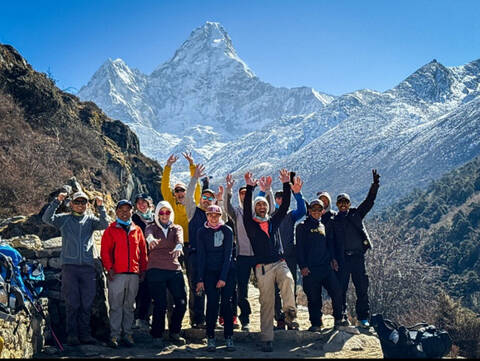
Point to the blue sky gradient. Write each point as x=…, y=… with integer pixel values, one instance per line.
x=334, y=46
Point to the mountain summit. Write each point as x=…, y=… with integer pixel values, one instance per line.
x=204, y=89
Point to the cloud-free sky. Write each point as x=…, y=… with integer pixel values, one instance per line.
x=333, y=46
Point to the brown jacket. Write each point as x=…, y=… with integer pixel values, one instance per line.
x=159, y=250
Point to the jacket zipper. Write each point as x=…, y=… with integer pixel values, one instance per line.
x=128, y=254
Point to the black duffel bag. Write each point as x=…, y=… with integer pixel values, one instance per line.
x=419, y=341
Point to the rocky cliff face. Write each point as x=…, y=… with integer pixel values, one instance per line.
x=47, y=136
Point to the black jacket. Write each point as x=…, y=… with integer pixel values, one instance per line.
x=352, y=223
x=313, y=250
x=267, y=248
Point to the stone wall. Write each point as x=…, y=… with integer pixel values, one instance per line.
x=25, y=344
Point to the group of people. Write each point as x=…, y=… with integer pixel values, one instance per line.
x=145, y=250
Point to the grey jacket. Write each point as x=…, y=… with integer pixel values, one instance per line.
x=77, y=233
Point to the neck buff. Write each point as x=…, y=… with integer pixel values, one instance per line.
x=147, y=216
x=165, y=226
x=77, y=214
x=260, y=219
x=219, y=224
x=127, y=223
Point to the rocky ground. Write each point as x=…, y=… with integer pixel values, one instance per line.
x=329, y=343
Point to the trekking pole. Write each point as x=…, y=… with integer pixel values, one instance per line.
x=39, y=309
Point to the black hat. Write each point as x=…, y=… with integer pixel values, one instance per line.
x=208, y=190
x=278, y=194
x=343, y=196
x=123, y=202
x=144, y=196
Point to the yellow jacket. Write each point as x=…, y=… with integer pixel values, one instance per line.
x=178, y=208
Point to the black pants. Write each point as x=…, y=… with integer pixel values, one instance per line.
x=312, y=285
x=245, y=265
x=158, y=282
x=79, y=287
x=292, y=266
x=196, y=304
x=354, y=265
x=219, y=296
x=142, y=301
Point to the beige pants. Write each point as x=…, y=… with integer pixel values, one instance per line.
x=274, y=272
x=121, y=299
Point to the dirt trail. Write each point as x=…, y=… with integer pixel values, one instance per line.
x=328, y=343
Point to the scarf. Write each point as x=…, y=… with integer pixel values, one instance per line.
x=219, y=224
x=124, y=223
x=165, y=226
x=146, y=216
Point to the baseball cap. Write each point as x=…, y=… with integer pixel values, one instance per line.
x=208, y=190
x=343, y=196
x=144, y=196
x=213, y=209
x=316, y=202
x=79, y=194
x=278, y=194
x=123, y=202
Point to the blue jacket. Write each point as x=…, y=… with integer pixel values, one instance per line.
x=214, y=251
x=77, y=233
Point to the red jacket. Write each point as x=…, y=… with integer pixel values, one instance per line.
x=122, y=253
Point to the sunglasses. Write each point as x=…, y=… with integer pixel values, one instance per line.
x=80, y=202
x=178, y=190
x=164, y=213
x=208, y=198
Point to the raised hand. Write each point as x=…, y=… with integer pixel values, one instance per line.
x=61, y=196
x=376, y=176
x=284, y=176
x=199, y=171
x=250, y=180
x=219, y=195
x=268, y=183
x=230, y=182
x=262, y=183
x=98, y=201
x=188, y=156
x=297, y=184
x=172, y=159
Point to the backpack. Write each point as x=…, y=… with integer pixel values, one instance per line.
x=418, y=341
x=11, y=294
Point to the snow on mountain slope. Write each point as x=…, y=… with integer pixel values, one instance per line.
x=205, y=99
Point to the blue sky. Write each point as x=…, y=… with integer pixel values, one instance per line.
x=333, y=46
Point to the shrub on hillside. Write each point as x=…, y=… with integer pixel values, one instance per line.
x=462, y=324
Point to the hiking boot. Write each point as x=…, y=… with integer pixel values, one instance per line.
x=267, y=346
x=315, y=329
x=280, y=325
x=113, y=342
x=141, y=324
x=176, y=339
x=211, y=346
x=363, y=323
x=229, y=344
x=290, y=317
x=221, y=321
x=73, y=341
x=87, y=340
x=246, y=327
x=199, y=326
x=236, y=326
x=128, y=341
